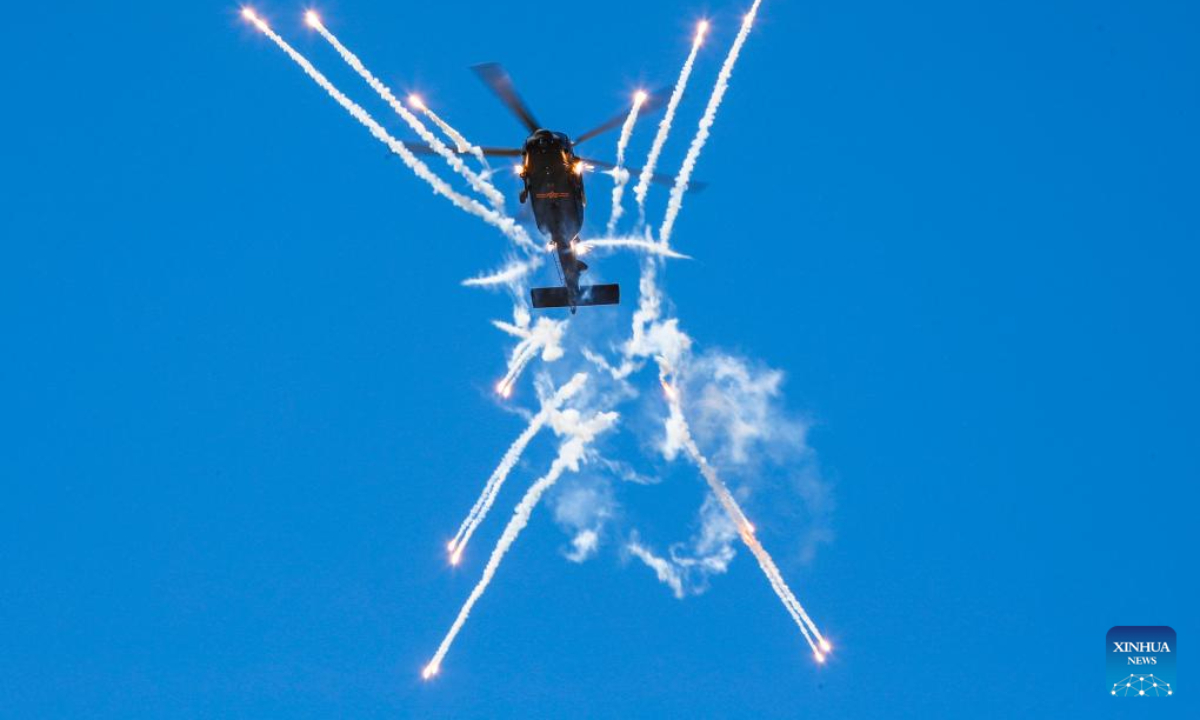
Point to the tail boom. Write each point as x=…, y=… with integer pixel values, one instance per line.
x=587, y=295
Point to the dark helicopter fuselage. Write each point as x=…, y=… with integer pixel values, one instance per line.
x=553, y=184
x=553, y=177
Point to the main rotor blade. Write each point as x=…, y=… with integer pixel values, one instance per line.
x=652, y=103
x=660, y=179
x=494, y=76
x=421, y=148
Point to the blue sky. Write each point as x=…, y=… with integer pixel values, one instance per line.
x=247, y=400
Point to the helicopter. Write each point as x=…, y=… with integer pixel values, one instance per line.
x=551, y=173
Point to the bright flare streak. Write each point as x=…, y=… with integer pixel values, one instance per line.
x=522, y=355
x=570, y=454
x=492, y=487
x=825, y=646
x=415, y=101
x=249, y=14
x=505, y=224
x=477, y=182
x=312, y=19
x=620, y=176
x=807, y=628
x=669, y=391
x=429, y=671
x=664, y=125
x=675, y=204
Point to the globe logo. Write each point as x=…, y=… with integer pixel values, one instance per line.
x=1142, y=686
x=1140, y=661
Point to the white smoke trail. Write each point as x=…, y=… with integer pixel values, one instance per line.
x=545, y=335
x=460, y=143
x=619, y=173
x=664, y=125
x=492, y=488
x=679, y=436
x=507, y=275
x=633, y=243
x=519, y=327
x=477, y=182
x=647, y=336
x=649, y=310
x=675, y=204
x=506, y=225
x=578, y=434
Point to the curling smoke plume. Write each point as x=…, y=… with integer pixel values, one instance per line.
x=675, y=204
x=664, y=125
x=679, y=436
x=711, y=551
x=578, y=434
x=492, y=488
x=666, y=572
x=505, y=224
x=668, y=345
x=663, y=340
x=619, y=173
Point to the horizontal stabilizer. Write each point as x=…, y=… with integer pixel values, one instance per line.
x=552, y=297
